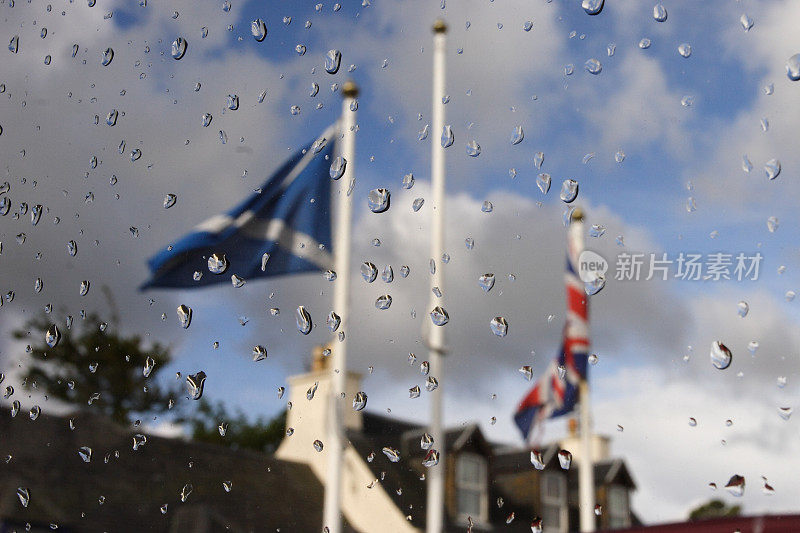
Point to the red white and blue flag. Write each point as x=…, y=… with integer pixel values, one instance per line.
x=556, y=392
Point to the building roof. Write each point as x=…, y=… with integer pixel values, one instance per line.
x=134, y=485
x=743, y=524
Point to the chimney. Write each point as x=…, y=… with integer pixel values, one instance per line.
x=309, y=419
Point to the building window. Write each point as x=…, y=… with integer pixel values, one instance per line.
x=554, y=502
x=471, y=487
x=618, y=509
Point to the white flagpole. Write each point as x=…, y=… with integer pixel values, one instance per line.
x=436, y=341
x=332, y=518
x=586, y=465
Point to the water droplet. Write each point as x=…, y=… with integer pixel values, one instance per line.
x=752, y=346
x=746, y=22
x=149, y=364
x=369, y=272
x=408, y=181
x=543, y=182
x=431, y=459
x=136, y=154
x=24, y=496
x=35, y=412
x=793, y=67
x=772, y=168
x=303, y=319
x=111, y=118
x=593, y=66
x=685, y=50
x=528, y=26
x=517, y=135
x=499, y=326
x=383, y=302
x=564, y=459
x=195, y=384
x=439, y=316
x=388, y=274
x=179, y=48
x=772, y=224
x=785, y=412
x=448, y=138
x=536, y=460
x=332, y=61
x=487, y=207
x=233, y=102
x=644, y=44
x=52, y=336
x=184, y=315
x=318, y=445
x=259, y=29
x=333, y=321
x=392, y=454
x=217, y=263
x=312, y=390
x=486, y=282
x=13, y=45
x=659, y=13
x=378, y=200
x=360, y=401
x=426, y=441
x=84, y=288
x=594, y=285
x=259, y=353
x=108, y=56
x=187, y=489
x=569, y=191
x=169, y=200
x=338, y=167
x=735, y=485
x=721, y=356
x=85, y=453
x=237, y=282
x=592, y=7
x=473, y=148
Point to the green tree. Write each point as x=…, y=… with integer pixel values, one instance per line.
x=239, y=432
x=714, y=509
x=90, y=359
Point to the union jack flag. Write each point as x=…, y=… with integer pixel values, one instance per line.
x=556, y=392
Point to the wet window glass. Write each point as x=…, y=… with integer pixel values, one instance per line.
x=523, y=265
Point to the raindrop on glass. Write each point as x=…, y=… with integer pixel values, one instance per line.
x=178, y=48
x=332, y=61
x=195, y=384
x=721, y=356
x=303, y=319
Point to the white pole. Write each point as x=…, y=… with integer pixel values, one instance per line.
x=332, y=518
x=436, y=340
x=586, y=464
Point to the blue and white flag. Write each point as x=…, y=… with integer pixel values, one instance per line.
x=285, y=228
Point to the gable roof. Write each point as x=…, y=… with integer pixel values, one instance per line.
x=66, y=490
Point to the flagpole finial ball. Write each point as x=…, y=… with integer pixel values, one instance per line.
x=350, y=89
x=439, y=26
x=577, y=214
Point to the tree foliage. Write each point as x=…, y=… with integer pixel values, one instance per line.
x=91, y=358
x=261, y=435
x=714, y=509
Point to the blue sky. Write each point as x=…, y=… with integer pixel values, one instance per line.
x=503, y=78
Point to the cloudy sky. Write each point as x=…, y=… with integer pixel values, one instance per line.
x=651, y=134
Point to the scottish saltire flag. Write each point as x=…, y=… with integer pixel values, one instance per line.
x=284, y=228
x=556, y=392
